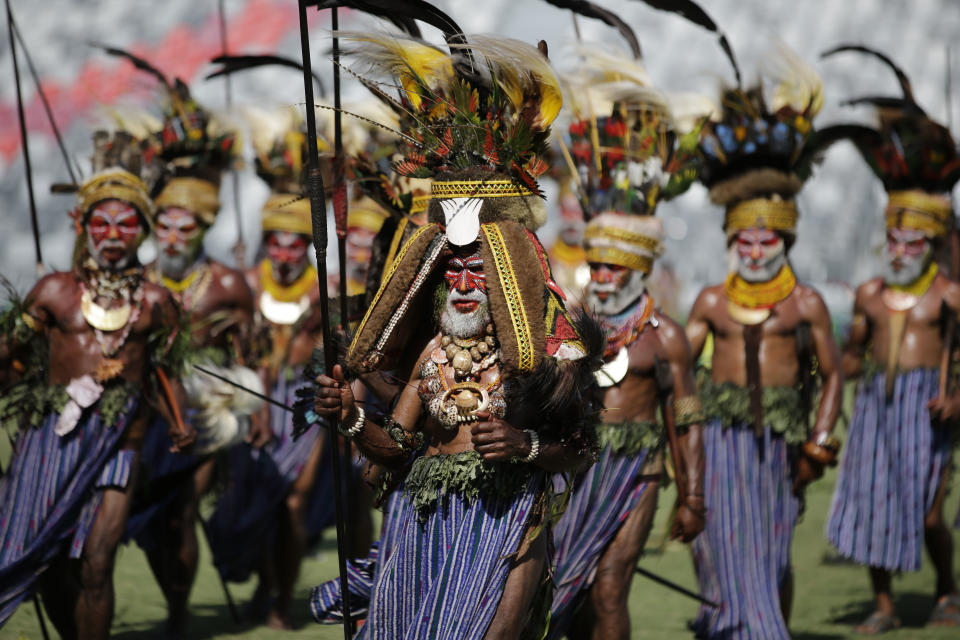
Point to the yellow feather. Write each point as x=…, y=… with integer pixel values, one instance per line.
x=413, y=61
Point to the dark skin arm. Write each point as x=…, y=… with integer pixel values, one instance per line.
x=497, y=440
x=689, y=520
x=947, y=410
x=814, y=311
x=170, y=399
x=698, y=324
x=859, y=336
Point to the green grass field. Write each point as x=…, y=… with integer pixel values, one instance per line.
x=830, y=597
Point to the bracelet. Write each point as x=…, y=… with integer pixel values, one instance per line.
x=534, y=446
x=402, y=437
x=687, y=411
x=827, y=441
x=358, y=425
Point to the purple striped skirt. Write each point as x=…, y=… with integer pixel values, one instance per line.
x=743, y=555
x=600, y=502
x=891, y=471
x=247, y=513
x=325, y=602
x=49, y=499
x=445, y=576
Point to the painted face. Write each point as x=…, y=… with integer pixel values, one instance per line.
x=908, y=254
x=180, y=239
x=287, y=253
x=612, y=287
x=359, y=250
x=761, y=254
x=114, y=231
x=466, y=312
x=571, y=221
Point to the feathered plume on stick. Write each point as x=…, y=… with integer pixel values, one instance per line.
x=230, y=64
x=591, y=10
x=137, y=61
x=695, y=14
x=902, y=78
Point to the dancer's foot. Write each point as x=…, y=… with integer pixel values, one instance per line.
x=278, y=622
x=878, y=622
x=947, y=612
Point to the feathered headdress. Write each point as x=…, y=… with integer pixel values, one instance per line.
x=194, y=145
x=627, y=153
x=117, y=162
x=759, y=152
x=476, y=120
x=914, y=156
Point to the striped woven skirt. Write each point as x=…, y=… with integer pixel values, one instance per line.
x=49, y=497
x=743, y=555
x=891, y=470
x=445, y=576
x=600, y=502
x=326, y=605
x=246, y=517
x=162, y=476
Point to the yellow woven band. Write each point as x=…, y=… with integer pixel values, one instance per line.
x=762, y=213
x=287, y=212
x=366, y=218
x=116, y=184
x=419, y=204
x=479, y=189
x=193, y=194
x=915, y=209
x=649, y=243
x=611, y=255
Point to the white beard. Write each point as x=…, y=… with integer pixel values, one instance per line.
x=127, y=261
x=176, y=266
x=620, y=297
x=769, y=268
x=465, y=325
x=912, y=269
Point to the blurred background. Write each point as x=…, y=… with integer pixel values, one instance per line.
x=840, y=231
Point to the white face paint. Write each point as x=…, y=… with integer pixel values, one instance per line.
x=467, y=310
x=909, y=253
x=114, y=232
x=613, y=288
x=761, y=254
x=462, y=219
x=180, y=240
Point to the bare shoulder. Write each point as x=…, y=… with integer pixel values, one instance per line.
x=708, y=298
x=157, y=297
x=672, y=338
x=811, y=304
x=951, y=291
x=227, y=277
x=52, y=286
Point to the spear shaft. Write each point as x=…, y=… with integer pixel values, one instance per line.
x=318, y=211
x=23, y=139
x=240, y=248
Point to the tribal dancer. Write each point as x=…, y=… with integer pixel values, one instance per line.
x=626, y=162
x=766, y=330
x=893, y=481
x=94, y=346
x=497, y=396
x=567, y=256
x=263, y=521
x=195, y=150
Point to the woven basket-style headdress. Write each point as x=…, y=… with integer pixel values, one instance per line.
x=915, y=157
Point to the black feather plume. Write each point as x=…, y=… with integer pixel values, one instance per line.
x=402, y=13
x=137, y=61
x=233, y=64
x=591, y=10
x=886, y=102
x=695, y=14
x=901, y=76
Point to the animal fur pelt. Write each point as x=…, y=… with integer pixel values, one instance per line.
x=559, y=399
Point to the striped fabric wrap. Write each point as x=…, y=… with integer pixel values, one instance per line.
x=601, y=499
x=162, y=476
x=49, y=498
x=743, y=555
x=246, y=516
x=445, y=576
x=891, y=470
x=326, y=606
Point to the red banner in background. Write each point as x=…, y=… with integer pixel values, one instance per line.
x=258, y=27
